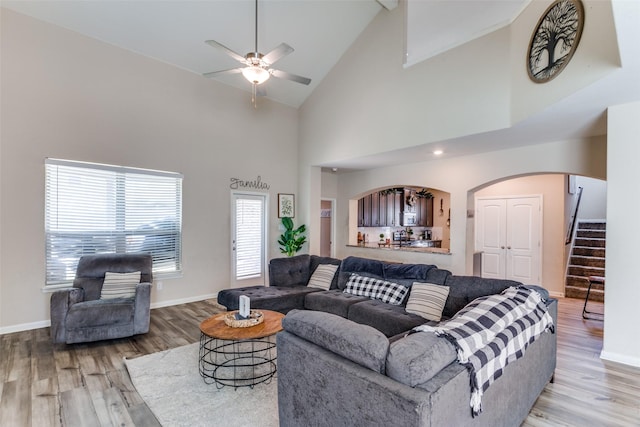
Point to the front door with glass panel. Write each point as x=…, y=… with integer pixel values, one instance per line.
x=248, y=239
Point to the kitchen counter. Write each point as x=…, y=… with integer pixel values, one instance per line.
x=395, y=246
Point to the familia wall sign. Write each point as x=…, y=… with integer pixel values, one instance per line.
x=255, y=184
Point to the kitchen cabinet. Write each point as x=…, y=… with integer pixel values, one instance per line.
x=394, y=208
x=375, y=209
x=382, y=222
x=424, y=212
x=360, y=212
x=382, y=209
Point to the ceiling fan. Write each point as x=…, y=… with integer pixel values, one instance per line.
x=257, y=66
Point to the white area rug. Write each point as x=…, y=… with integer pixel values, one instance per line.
x=170, y=384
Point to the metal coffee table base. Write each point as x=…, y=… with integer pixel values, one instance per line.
x=237, y=363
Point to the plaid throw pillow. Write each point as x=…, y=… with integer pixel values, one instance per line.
x=389, y=292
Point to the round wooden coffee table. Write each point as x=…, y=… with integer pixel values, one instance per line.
x=239, y=357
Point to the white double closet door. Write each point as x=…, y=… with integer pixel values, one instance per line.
x=508, y=233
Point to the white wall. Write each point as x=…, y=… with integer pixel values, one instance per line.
x=369, y=103
x=552, y=188
x=67, y=96
x=622, y=287
x=593, y=203
x=461, y=177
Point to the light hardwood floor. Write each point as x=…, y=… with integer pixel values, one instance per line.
x=88, y=385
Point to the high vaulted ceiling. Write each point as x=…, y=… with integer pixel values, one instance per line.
x=321, y=31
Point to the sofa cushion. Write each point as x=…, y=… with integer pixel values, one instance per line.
x=416, y=358
x=388, y=292
x=119, y=285
x=416, y=272
x=438, y=276
x=358, y=343
x=100, y=313
x=362, y=266
x=464, y=289
x=333, y=301
x=276, y=298
x=427, y=300
x=323, y=276
x=389, y=319
x=290, y=271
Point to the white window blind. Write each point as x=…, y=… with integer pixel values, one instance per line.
x=92, y=208
x=249, y=236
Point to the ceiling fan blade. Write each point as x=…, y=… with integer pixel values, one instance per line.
x=277, y=53
x=223, y=72
x=228, y=51
x=288, y=76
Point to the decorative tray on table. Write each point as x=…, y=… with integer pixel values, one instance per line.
x=255, y=318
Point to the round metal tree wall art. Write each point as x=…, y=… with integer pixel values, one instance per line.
x=555, y=39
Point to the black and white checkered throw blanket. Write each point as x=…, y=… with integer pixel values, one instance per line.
x=492, y=331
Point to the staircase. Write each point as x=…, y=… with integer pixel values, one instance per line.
x=587, y=259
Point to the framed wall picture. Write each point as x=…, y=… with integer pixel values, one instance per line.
x=555, y=40
x=286, y=205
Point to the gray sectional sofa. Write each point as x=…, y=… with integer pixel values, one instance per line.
x=352, y=354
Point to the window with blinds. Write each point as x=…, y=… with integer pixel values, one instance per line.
x=93, y=208
x=249, y=237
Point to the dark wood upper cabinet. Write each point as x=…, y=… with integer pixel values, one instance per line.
x=385, y=209
x=425, y=212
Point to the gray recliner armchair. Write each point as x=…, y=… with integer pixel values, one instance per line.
x=79, y=315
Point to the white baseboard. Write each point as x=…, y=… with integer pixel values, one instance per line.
x=46, y=323
x=556, y=294
x=25, y=327
x=183, y=300
x=620, y=358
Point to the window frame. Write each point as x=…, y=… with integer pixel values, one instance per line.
x=126, y=190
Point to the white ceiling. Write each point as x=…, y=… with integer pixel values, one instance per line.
x=320, y=31
x=174, y=31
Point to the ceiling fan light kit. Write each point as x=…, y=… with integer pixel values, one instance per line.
x=255, y=74
x=257, y=67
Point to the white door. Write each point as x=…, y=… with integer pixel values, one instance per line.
x=491, y=235
x=508, y=233
x=248, y=239
x=523, y=240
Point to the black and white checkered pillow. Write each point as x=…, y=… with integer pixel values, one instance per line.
x=370, y=287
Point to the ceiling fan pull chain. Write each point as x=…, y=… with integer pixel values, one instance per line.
x=254, y=95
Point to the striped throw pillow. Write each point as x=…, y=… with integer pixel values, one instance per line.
x=427, y=300
x=323, y=276
x=119, y=285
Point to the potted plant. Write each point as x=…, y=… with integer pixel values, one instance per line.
x=291, y=240
x=381, y=237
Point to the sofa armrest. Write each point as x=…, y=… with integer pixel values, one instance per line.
x=60, y=303
x=142, y=308
x=361, y=344
x=356, y=395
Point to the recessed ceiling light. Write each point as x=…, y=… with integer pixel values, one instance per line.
x=437, y=152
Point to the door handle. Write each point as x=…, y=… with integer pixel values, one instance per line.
x=501, y=247
x=508, y=247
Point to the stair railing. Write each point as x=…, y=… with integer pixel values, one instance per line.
x=573, y=219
